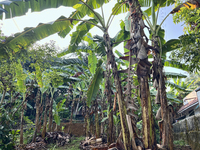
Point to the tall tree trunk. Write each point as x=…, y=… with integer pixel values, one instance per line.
x=109, y=99
x=71, y=117
x=50, y=126
x=147, y=116
x=97, y=124
x=102, y=115
x=21, y=125
x=158, y=76
x=37, y=103
x=87, y=121
x=45, y=116
x=24, y=106
x=121, y=102
x=140, y=48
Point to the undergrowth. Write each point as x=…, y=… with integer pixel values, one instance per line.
x=180, y=142
x=73, y=145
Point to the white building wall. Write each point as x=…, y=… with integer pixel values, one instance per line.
x=198, y=96
x=197, y=111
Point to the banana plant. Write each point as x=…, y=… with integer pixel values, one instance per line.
x=97, y=44
x=14, y=8
x=158, y=75
x=86, y=8
x=92, y=96
x=62, y=25
x=178, y=86
x=56, y=109
x=82, y=8
x=157, y=36
x=22, y=88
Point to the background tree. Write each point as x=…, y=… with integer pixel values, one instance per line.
x=189, y=51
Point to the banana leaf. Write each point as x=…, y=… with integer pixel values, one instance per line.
x=175, y=64
x=94, y=86
x=174, y=75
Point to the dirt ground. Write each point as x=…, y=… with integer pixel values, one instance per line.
x=182, y=148
x=77, y=129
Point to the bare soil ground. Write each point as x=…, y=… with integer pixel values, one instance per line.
x=182, y=148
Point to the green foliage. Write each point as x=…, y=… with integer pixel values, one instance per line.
x=119, y=8
x=189, y=16
x=28, y=135
x=81, y=30
x=90, y=10
x=122, y=35
x=39, y=76
x=174, y=75
x=192, y=81
x=56, y=109
x=139, y=125
x=180, y=142
x=21, y=77
x=171, y=45
x=7, y=137
x=20, y=7
x=75, y=143
x=171, y=98
x=92, y=61
x=24, y=39
x=176, y=64
x=94, y=86
x=28, y=121
x=178, y=89
x=190, y=42
x=161, y=34
x=189, y=52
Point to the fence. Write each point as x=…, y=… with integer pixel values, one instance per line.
x=188, y=130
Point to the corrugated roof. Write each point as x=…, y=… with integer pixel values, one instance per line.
x=192, y=99
x=188, y=105
x=191, y=95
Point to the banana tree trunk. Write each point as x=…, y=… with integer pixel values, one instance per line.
x=121, y=102
x=37, y=103
x=147, y=116
x=164, y=124
x=45, y=117
x=140, y=49
x=21, y=125
x=97, y=131
x=97, y=124
x=71, y=117
x=102, y=115
x=22, y=116
x=87, y=121
x=50, y=126
x=109, y=99
x=166, y=130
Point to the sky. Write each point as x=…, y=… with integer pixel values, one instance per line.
x=17, y=24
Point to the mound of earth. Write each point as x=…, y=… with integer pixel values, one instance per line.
x=58, y=138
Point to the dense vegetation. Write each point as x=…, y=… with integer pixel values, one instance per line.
x=115, y=94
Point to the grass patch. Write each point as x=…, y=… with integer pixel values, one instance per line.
x=180, y=142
